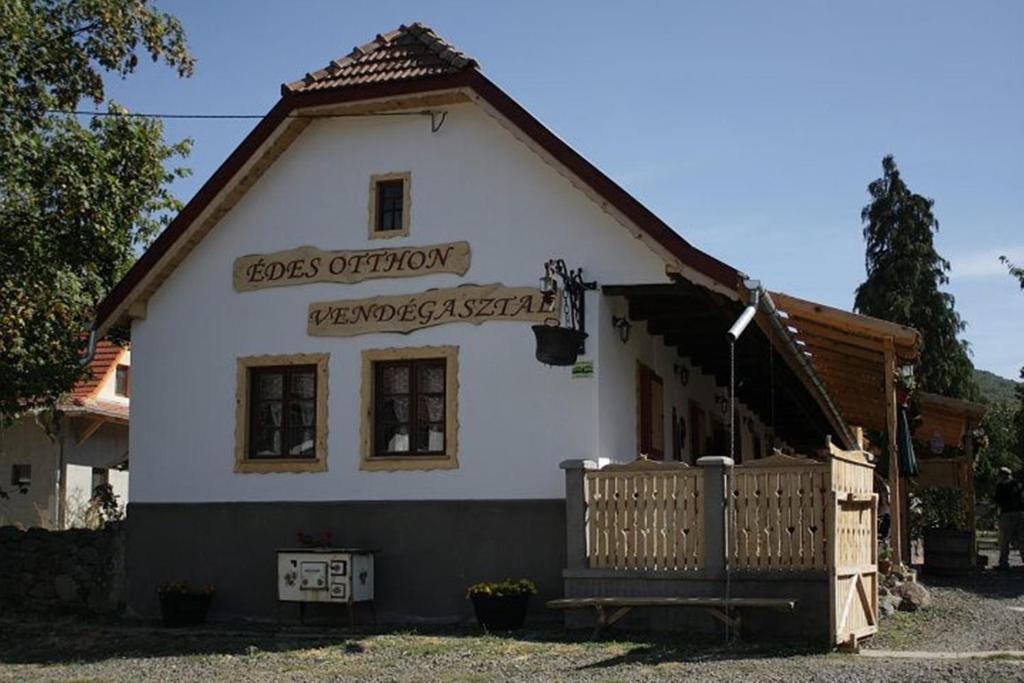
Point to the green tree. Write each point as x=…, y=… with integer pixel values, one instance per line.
x=1015, y=271
x=904, y=275
x=1002, y=450
x=1018, y=273
x=78, y=195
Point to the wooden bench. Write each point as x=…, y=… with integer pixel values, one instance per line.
x=725, y=610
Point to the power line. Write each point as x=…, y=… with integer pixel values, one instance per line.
x=140, y=115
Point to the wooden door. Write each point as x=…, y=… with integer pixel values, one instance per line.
x=698, y=432
x=650, y=413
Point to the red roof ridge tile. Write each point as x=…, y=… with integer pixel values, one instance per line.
x=423, y=53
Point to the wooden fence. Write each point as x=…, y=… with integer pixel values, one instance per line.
x=778, y=515
x=853, y=568
x=645, y=515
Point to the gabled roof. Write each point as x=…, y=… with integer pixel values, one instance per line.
x=848, y=351
x=103, y=363
x=393, y=66
x=412, y=51
x=947, y=417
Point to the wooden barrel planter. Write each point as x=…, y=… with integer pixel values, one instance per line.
x=949, y=552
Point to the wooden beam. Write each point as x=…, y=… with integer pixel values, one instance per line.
x=807, y=328
x=833, y=357
x=895, y=497
x=864, y=382
x=137, y=310
x=860, y=324
x=812, y=342
x=88, y=430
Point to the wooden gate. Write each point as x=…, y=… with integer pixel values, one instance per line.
x=853, y=561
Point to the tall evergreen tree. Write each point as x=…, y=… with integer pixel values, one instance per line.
x=904, y=274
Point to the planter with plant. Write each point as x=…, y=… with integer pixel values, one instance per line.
x=182, y=604
x=501, y=605
x=938, y=516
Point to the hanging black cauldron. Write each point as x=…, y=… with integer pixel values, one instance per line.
x=558, y=345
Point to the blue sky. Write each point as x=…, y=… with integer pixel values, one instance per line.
x=753, y=128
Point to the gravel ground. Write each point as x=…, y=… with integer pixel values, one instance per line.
x=975, y=613
x=971, y=614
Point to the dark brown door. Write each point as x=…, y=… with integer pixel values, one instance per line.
x=650, y=405
x=698, y=432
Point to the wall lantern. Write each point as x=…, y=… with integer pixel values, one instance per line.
x=723, y=404
x=623, y=327
x=561, y=339
x=681, y=373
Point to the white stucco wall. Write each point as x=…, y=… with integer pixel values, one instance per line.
x=79, y=491
x=25, y=443
x=471, y=181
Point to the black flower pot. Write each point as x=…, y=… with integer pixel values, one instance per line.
x=501, y=612
x=184, y=609
x=558, y=345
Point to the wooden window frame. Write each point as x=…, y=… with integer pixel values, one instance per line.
x=447, y=460
x=16, y=480
x=245, y=464
x=375, y=180
x=127, y=370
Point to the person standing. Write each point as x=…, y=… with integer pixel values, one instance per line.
x=884, y=510
x=1010, y=499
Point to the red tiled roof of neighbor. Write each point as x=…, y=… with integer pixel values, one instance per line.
x=408, y=52
x=98, y=408
x=102, y=363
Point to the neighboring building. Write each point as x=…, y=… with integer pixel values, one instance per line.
x=52, y=468
x=264, y=410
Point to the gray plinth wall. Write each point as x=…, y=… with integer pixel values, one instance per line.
x=430, y=551
x=810, y=621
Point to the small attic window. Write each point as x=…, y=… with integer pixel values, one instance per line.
x=123, y=381
x=389, y=205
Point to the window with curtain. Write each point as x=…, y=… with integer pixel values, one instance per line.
x=282, y=412
x=409, y=407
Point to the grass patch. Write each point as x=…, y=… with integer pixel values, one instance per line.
x=900, y=631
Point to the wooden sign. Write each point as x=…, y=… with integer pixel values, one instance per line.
x=306, y=265
x=405, y=313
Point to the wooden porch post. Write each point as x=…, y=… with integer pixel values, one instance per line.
x=966, y=474
x=575, y=512
x=895, y=493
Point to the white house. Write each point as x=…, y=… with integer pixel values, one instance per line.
x=55, y=465
x=335, y=334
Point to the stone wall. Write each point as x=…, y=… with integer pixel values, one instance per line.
x=73, y=571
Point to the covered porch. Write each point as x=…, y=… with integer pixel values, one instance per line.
x=773, y=540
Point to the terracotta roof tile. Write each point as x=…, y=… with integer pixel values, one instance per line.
x=98, y=408
x=106, y=356
x=408, y=52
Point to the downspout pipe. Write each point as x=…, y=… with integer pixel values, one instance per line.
x=90, y=351
x=754, y=290
x=58, y=478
